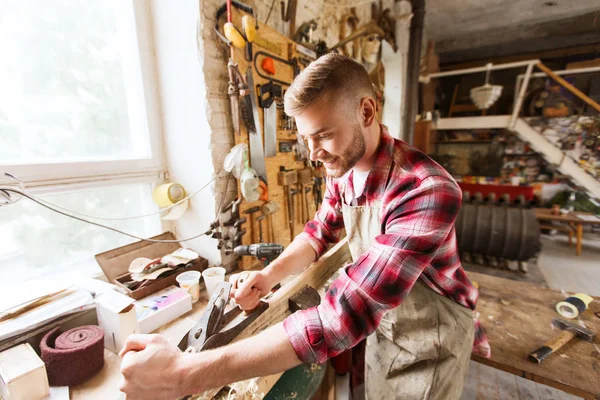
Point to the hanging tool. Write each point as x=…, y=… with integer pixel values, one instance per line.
x=236, y=90
x=231, y=35
x=269, y=105
x=268, y=66
x=251, y=211
x=569, y=331
x=291, y=64
x=307, y=190
x=294, y=193
x=318, y=186
x=269, y=209
x=250, y=27
x=259, y=220
x=287, y=178
x=274, y=92
x=257, y=157
x=304, y=179
x=290, y=16
x=265, y=252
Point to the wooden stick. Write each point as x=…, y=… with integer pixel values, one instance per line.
x=568, y=86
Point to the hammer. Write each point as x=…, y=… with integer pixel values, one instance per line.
x=569, y=331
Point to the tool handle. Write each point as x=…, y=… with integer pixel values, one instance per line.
x=550, y=347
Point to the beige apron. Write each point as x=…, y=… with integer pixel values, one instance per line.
x=421, y=349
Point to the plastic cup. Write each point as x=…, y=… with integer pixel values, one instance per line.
x=190, y=281
x=213, y=276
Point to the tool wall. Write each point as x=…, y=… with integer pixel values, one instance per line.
x=291, y=187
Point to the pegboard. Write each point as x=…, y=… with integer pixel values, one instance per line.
x=286, y=137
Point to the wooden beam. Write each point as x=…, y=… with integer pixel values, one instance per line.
x=568, y=86
x=543, y=55
x=315, y=276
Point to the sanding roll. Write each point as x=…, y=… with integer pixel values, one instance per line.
x=73, y=356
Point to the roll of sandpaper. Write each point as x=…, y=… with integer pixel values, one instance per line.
x=73, y=356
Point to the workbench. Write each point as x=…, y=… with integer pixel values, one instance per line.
x=573, y=219
x=517, y=316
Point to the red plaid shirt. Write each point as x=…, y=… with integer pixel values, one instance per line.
x=419, y=203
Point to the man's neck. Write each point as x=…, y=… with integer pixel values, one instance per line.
x=372, y=140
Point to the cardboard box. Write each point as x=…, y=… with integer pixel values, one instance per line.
x=115, y=265
x=116, y=315
x=162, y=307
x=22, y=374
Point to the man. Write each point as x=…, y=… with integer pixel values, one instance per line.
x=406, y=283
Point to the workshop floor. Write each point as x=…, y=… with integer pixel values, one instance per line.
x=562, y=270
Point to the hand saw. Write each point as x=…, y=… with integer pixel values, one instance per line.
x=257, y=157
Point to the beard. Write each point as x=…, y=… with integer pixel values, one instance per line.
x=352, y=155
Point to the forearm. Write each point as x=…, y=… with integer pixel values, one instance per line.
x=297, y=256
x=265, y=354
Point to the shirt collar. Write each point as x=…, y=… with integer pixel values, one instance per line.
x=376, y=181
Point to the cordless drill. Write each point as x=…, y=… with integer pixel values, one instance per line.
x=265, y=252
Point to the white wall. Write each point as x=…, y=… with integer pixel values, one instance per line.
x=186, y=131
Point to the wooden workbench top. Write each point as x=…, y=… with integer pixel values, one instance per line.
x=517, y=318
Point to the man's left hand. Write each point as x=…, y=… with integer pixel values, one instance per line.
x=152, y=368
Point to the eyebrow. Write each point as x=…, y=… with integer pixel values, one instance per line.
x=317, y=132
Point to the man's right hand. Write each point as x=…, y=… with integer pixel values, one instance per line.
x=249, y=287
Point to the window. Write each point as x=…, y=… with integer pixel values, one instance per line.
x=39, y=243
x=77, y=109
x=75, y=96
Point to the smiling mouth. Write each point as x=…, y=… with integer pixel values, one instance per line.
x=331, y=161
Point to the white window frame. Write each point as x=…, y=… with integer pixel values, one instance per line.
x=143, y=69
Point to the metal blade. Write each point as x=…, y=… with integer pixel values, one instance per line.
x=257, y=157
x=270, y=115
x=235, y=114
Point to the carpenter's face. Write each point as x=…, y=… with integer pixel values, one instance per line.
x=333, y=135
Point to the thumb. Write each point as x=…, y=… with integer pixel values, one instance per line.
x=135, y=342
x=245, y=287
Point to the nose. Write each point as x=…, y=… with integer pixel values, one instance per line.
x=314, y=152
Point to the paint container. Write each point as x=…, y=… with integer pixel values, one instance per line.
x=190, y=281
x=574, y=305
x=212, y=278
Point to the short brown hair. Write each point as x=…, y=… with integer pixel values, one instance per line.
x=333, y=75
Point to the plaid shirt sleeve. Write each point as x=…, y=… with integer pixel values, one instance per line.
x=328, y=222
x=416, y=226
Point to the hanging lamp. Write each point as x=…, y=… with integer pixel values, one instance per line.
x=485, y=96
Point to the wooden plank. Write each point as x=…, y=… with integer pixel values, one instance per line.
x=569, y=87
x=584, y=64
x=544, y=55
x=315, y=276
x=516, y=317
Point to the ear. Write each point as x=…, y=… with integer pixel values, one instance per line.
x=368, y=111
